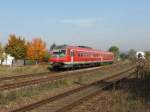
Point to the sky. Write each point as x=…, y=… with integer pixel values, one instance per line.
x=95, y=23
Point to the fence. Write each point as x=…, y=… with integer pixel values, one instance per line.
x=23, y=62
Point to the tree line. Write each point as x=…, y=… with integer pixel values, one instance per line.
x=35, y=49
x=128, y=55
x=19, y=48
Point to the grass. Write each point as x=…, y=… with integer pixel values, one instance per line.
x=10, y=97
x=132, y=95
x=134, y=98
x=9, y=71
x=123, y=102
x=7, y=97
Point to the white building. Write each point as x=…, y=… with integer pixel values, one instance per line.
x=8, y=60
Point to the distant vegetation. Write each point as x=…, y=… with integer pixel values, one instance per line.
x=16, y=47
x=148, y=55
x=130, y=55
x=1, y=51
x=116, y=51
x=35, y=49
x=19, y=48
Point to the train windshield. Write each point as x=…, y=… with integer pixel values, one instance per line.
x=59, y=53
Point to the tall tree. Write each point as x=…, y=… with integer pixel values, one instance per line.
x=47, y=56
x=147, y=55
x=16, y=47
x=1, y=51
x=132, y=54
x=36, y=49
x=115, y=50
x=52, y=46
x=123, y=56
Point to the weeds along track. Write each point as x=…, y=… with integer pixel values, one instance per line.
x=24, y=76
x=39, y=74
x=72, y=98
x=52, y=72
x=33, y=79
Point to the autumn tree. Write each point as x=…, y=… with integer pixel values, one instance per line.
x=16, y=47
x=36, y=49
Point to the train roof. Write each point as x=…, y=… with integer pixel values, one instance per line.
x=84, y=48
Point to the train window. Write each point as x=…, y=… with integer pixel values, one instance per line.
x=59, y=53
x=92, y=55
x=78, y=54
x=72, y=53
x=82, y=54
x=86, y=55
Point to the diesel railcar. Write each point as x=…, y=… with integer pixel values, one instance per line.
x=79, y=56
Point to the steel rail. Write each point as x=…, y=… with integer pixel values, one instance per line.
x=87, y=97
x=48, y=73
x=68, y=93
x=47, y=79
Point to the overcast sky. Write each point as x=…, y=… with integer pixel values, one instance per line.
x=95, y=23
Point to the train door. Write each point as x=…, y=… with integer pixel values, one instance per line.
x=72, y=56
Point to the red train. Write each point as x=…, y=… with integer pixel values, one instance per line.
x=79, y=56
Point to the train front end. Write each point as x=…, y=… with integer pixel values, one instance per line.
x=58, y=59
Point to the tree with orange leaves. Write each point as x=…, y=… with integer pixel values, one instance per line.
x=36, y=49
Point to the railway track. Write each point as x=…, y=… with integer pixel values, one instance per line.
x=15, y=77
x=24, y=76
x=67, y=100
x=44, y=73
x=43, y=77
